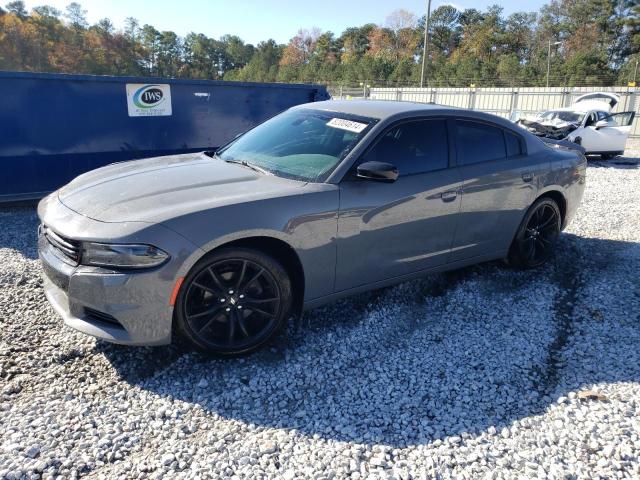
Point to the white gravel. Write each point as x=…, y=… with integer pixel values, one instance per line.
x=479, y=373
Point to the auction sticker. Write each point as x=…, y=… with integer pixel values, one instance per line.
x=349, y=125
x=148, y=100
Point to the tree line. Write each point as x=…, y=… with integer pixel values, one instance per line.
x=584, y=42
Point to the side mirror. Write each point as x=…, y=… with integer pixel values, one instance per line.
x=601, y=124
x=380, y=171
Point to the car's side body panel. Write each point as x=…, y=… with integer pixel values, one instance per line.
x=306, y=222
x=567, y=176
x=445, y=267
x=391, y=229
x=495, y=197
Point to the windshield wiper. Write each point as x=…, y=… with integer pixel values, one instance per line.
x=249, y=165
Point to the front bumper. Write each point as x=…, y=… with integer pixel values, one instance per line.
x=125, y=307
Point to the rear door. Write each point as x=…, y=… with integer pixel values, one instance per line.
x=387, y=230
x=499, y=183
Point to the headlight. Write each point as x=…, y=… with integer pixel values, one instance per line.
x=122, y=256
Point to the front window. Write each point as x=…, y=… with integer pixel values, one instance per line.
x=300, y=144
x=562, y=116
x=413, y=147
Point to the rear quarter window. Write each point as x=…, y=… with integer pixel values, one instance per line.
x=514, y=146
x=478, y=142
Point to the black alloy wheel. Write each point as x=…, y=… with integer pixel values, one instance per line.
x=536, y=238
x=233, y=302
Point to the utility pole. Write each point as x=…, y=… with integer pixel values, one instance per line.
x=635, y=72
x=425, y=47
x=549, y=59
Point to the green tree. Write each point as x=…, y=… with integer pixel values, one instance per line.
x=169, y=54
x=150, y=39
x=509, y=69
x=354, y=42
x=18, y=8
x=77, y=16
x=263, y=66
x=445, y=30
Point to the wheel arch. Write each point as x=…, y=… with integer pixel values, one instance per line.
x=275, y=247
x=557, y=196
x=552, y=193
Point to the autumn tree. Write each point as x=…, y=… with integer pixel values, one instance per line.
x=592, y=42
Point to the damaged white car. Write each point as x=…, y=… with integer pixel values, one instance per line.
x=588, y=123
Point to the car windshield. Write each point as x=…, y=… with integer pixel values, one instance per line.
x=301, y=144
x=562, y=115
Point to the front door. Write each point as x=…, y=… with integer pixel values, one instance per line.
x=387, y=230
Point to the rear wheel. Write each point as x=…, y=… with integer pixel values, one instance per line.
x=536, y=238
x=233, y=302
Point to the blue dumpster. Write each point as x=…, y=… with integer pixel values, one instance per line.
x=54, y=127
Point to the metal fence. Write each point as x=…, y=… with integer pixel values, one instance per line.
x=506, y=102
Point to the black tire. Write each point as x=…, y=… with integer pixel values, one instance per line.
x=535, y=241
x=607, y=156
x=232, y=302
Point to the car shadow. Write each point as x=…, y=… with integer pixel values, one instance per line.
x=449, y=355
x=623, y=162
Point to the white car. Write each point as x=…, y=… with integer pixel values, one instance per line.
x=588, y=122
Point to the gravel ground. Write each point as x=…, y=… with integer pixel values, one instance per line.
x=479, y=373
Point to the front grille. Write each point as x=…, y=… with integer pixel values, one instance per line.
x=69, y=249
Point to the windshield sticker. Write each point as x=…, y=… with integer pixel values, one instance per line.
x=349, y=125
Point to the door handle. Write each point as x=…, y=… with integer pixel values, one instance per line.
x=527, y=176
x=449, y=196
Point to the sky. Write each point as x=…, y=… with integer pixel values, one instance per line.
x=257, y=20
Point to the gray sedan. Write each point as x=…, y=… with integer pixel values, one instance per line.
x=322, y=201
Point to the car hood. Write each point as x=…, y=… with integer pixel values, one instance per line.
x=557, y=123
x=155, y=189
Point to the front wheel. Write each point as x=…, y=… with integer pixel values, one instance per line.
x=536, y=239
x=233, y=302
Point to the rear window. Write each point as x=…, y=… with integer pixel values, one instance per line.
x=478, y=142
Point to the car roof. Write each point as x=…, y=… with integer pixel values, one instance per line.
x=380, y=109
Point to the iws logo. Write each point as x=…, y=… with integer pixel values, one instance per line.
x=148, y=96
